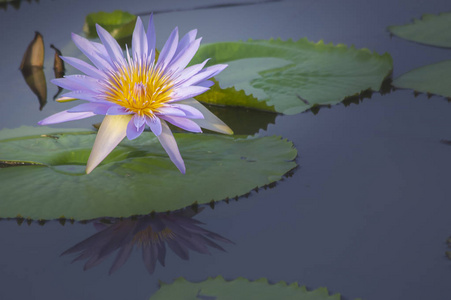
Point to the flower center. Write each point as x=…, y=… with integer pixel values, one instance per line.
x=148, y=236
x=139, y=87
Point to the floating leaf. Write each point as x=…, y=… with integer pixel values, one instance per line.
x=136, y=178
x=220, y=289
x=119, y=24
x=433, y=79
x=430, y=30
x=290, y=77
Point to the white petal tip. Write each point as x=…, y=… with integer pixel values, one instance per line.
x=228, y=130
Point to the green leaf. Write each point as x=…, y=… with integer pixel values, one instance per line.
x=45, y=177
x=432, y=79
x=430, y=30
x=290, y=77
x=119, y=24
x=240, y=288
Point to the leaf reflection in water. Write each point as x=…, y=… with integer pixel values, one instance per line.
x=32, y=69
x=178, y=230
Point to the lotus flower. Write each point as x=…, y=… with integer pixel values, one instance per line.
x=139, y=90
x=178, y=230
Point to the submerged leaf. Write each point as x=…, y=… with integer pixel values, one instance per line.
x=432, y=79
x=430, y=30
x=119, y=24
x=136, y=178
x=241, y=288
x=290, y=77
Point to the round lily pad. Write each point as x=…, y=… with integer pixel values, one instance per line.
x=432, y=79
x=241, y=288
x=45, y=174
x=291, y=76
x=430, y=30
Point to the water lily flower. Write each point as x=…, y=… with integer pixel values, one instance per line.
x=178, y=230
x=138, y=90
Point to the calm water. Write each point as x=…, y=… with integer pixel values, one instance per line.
x=366, y=214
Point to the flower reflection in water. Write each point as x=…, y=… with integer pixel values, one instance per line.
x=178, y=230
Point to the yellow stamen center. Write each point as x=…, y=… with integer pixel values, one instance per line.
x=140, y=88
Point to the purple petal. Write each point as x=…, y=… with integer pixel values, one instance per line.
x=169, y=48
x=205, y=74
x=101, y=51
x=190, y=72
x=187, y=92
x=78, y=82
x=169, y=110
x=183, y=123
x=210, y=121
x=111, y=45
x=155, y=125
x=84, y=95
x=185, y=41
x=132, y=131
x=182, y=60
x=117, y=110
x=90, y=51
x=139, y=40
x=170, y=145
x=138, y=121
x=190, y=112
x=97, y=108
x=84, y=67
x=151, y=37
x=206, y=83
x=65, y=116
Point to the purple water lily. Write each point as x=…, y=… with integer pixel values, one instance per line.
x=139, y=90
x=177, y=230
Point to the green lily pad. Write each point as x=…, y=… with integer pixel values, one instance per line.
x=220, y=289
x=290, y=77
x=119, y=24
x=45, y=177
x=432, y=79
x=430, y=30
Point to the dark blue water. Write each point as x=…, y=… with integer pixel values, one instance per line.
x=366, y=214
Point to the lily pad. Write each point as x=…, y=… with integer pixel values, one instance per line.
x=46, y=175
x=430, y=30
x=119, y=24
x=220, y=289
x=432, y=79
x=291, y=76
